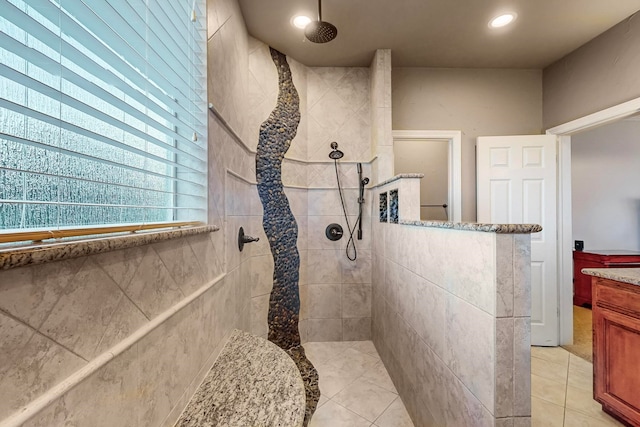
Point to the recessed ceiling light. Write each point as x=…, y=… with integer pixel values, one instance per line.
x=502, y=20
x=301, y=21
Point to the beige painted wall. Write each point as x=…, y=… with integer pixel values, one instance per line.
x=431, y=158
x=479, y=102
x=605, y=194
x=598, y=75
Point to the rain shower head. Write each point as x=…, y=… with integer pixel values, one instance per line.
x=335, y=154
x=320, y=31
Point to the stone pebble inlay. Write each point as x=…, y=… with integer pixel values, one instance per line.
x=276, y=134
x=383, y=207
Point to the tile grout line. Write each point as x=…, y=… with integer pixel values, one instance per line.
x=387, y=408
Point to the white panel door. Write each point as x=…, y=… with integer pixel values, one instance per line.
x=516, y=178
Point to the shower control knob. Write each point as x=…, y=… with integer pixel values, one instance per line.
x=243, y=238
x=334, y=232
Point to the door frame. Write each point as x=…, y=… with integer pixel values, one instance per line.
x=454, y=137
x=563, y=133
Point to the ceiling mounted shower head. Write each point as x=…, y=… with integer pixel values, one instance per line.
x=320, y=31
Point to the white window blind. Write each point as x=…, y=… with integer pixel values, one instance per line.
x=102, y=112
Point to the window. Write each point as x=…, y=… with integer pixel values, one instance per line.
x=102, y=112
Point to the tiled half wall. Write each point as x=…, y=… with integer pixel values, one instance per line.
x=454, y=336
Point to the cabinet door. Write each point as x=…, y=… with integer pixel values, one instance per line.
x=616, y=364
x=581, y=282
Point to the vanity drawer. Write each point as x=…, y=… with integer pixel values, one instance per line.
x=620, y=297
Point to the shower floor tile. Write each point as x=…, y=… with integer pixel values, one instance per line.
x=357, y=390
x=355, y=386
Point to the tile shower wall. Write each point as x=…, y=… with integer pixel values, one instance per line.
x=381, y=127
x=339, y=290
x=338, y=109
x=338, y=295
x=455, y=339
x=56, y=318
x=335, y=106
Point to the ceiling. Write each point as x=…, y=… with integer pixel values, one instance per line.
x=436, y=33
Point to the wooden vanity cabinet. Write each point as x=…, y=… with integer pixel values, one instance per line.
x=616, y=348
x=597, y=259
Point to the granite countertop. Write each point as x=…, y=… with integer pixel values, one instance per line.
x=610, y=252
x=252, y=383
x=474, y=226
x=397, y=177
x=625, y=275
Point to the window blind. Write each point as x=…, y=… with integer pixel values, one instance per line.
x=102, y=112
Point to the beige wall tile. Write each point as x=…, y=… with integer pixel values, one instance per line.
x=356, y=329
x=325, y=301
x=180, y=260
x=14, y=335
x=474, y=280
x=261, y=276
x=470, y=328
x=504, y=422
x=168, y=362
x=209, y=252
x=522, y=367
x=324, y=330
x=356, y=300
x=126, y=319
x=152, y=288
x=429, y=314
x=323, y=267
x=121, y=265
x=522, y=275
x=82, y=314
x=259, y=312
x=504, y=275
x=358, y=271
x=504, y=368
x=39, y=366
x=29, y=293
x=104, y=399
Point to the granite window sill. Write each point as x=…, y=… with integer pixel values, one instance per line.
x=40, y=253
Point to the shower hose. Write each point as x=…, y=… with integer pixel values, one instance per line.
x=350, y=250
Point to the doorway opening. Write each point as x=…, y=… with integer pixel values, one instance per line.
x=441, y=163
x=565, y=242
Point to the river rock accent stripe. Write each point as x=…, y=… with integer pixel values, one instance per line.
x=280, y=226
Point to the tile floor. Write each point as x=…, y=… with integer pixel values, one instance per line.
x=562, y=391
x=357, y=391
x=355, y=388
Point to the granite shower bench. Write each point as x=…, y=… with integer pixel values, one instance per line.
x=252, y=383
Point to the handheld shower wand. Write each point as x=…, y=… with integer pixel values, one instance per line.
x=361, y=183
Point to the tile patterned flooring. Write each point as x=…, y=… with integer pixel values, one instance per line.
x=355, y=388
x=357, y=391
x=562, y=391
